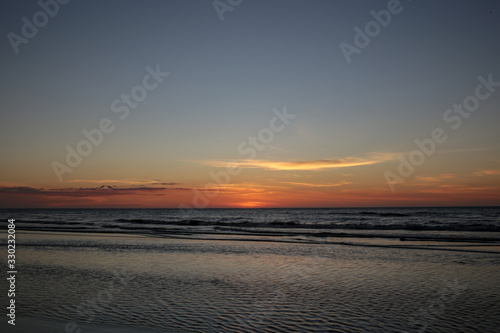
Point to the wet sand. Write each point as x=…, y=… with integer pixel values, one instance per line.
x=44, y=325
x=108, y=282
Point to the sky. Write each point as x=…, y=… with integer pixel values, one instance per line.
x=252, y=103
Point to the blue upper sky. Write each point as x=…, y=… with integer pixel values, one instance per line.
x=227, y=76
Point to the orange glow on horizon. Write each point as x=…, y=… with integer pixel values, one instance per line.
x=252, y=204
x=256, y=191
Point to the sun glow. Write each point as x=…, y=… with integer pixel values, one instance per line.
x=251, y=204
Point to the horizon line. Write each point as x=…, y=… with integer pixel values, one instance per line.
x=176, y=208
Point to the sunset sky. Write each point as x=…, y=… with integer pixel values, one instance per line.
x=268, y=89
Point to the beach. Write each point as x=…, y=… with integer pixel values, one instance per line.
x=235, y=166
x=103, y=282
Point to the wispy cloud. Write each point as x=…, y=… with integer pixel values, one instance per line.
x=345, y=162
x=490, y=172
x=306, y=165
x=437, y=178
x=319, y=185
x=455, y=189
x=245, y=187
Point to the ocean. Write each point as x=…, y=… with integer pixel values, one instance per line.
x=319, y=225
x=257, y=270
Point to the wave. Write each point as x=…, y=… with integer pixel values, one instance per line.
x=415, y=242
x=430, y=225
x=408, y=234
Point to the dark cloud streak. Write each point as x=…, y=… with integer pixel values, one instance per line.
x=103, y=190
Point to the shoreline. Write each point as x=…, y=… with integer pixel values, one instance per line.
x=374, y=242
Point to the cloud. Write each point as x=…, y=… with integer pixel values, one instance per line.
x=346, y=162
x=242, y=187
x=124, y=181
x=19, y=189
x=458, y=189
x=319, y=185
x=103, y=190
x=437, y=178
x=487, y=173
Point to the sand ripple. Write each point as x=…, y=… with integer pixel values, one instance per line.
x=204, y=286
